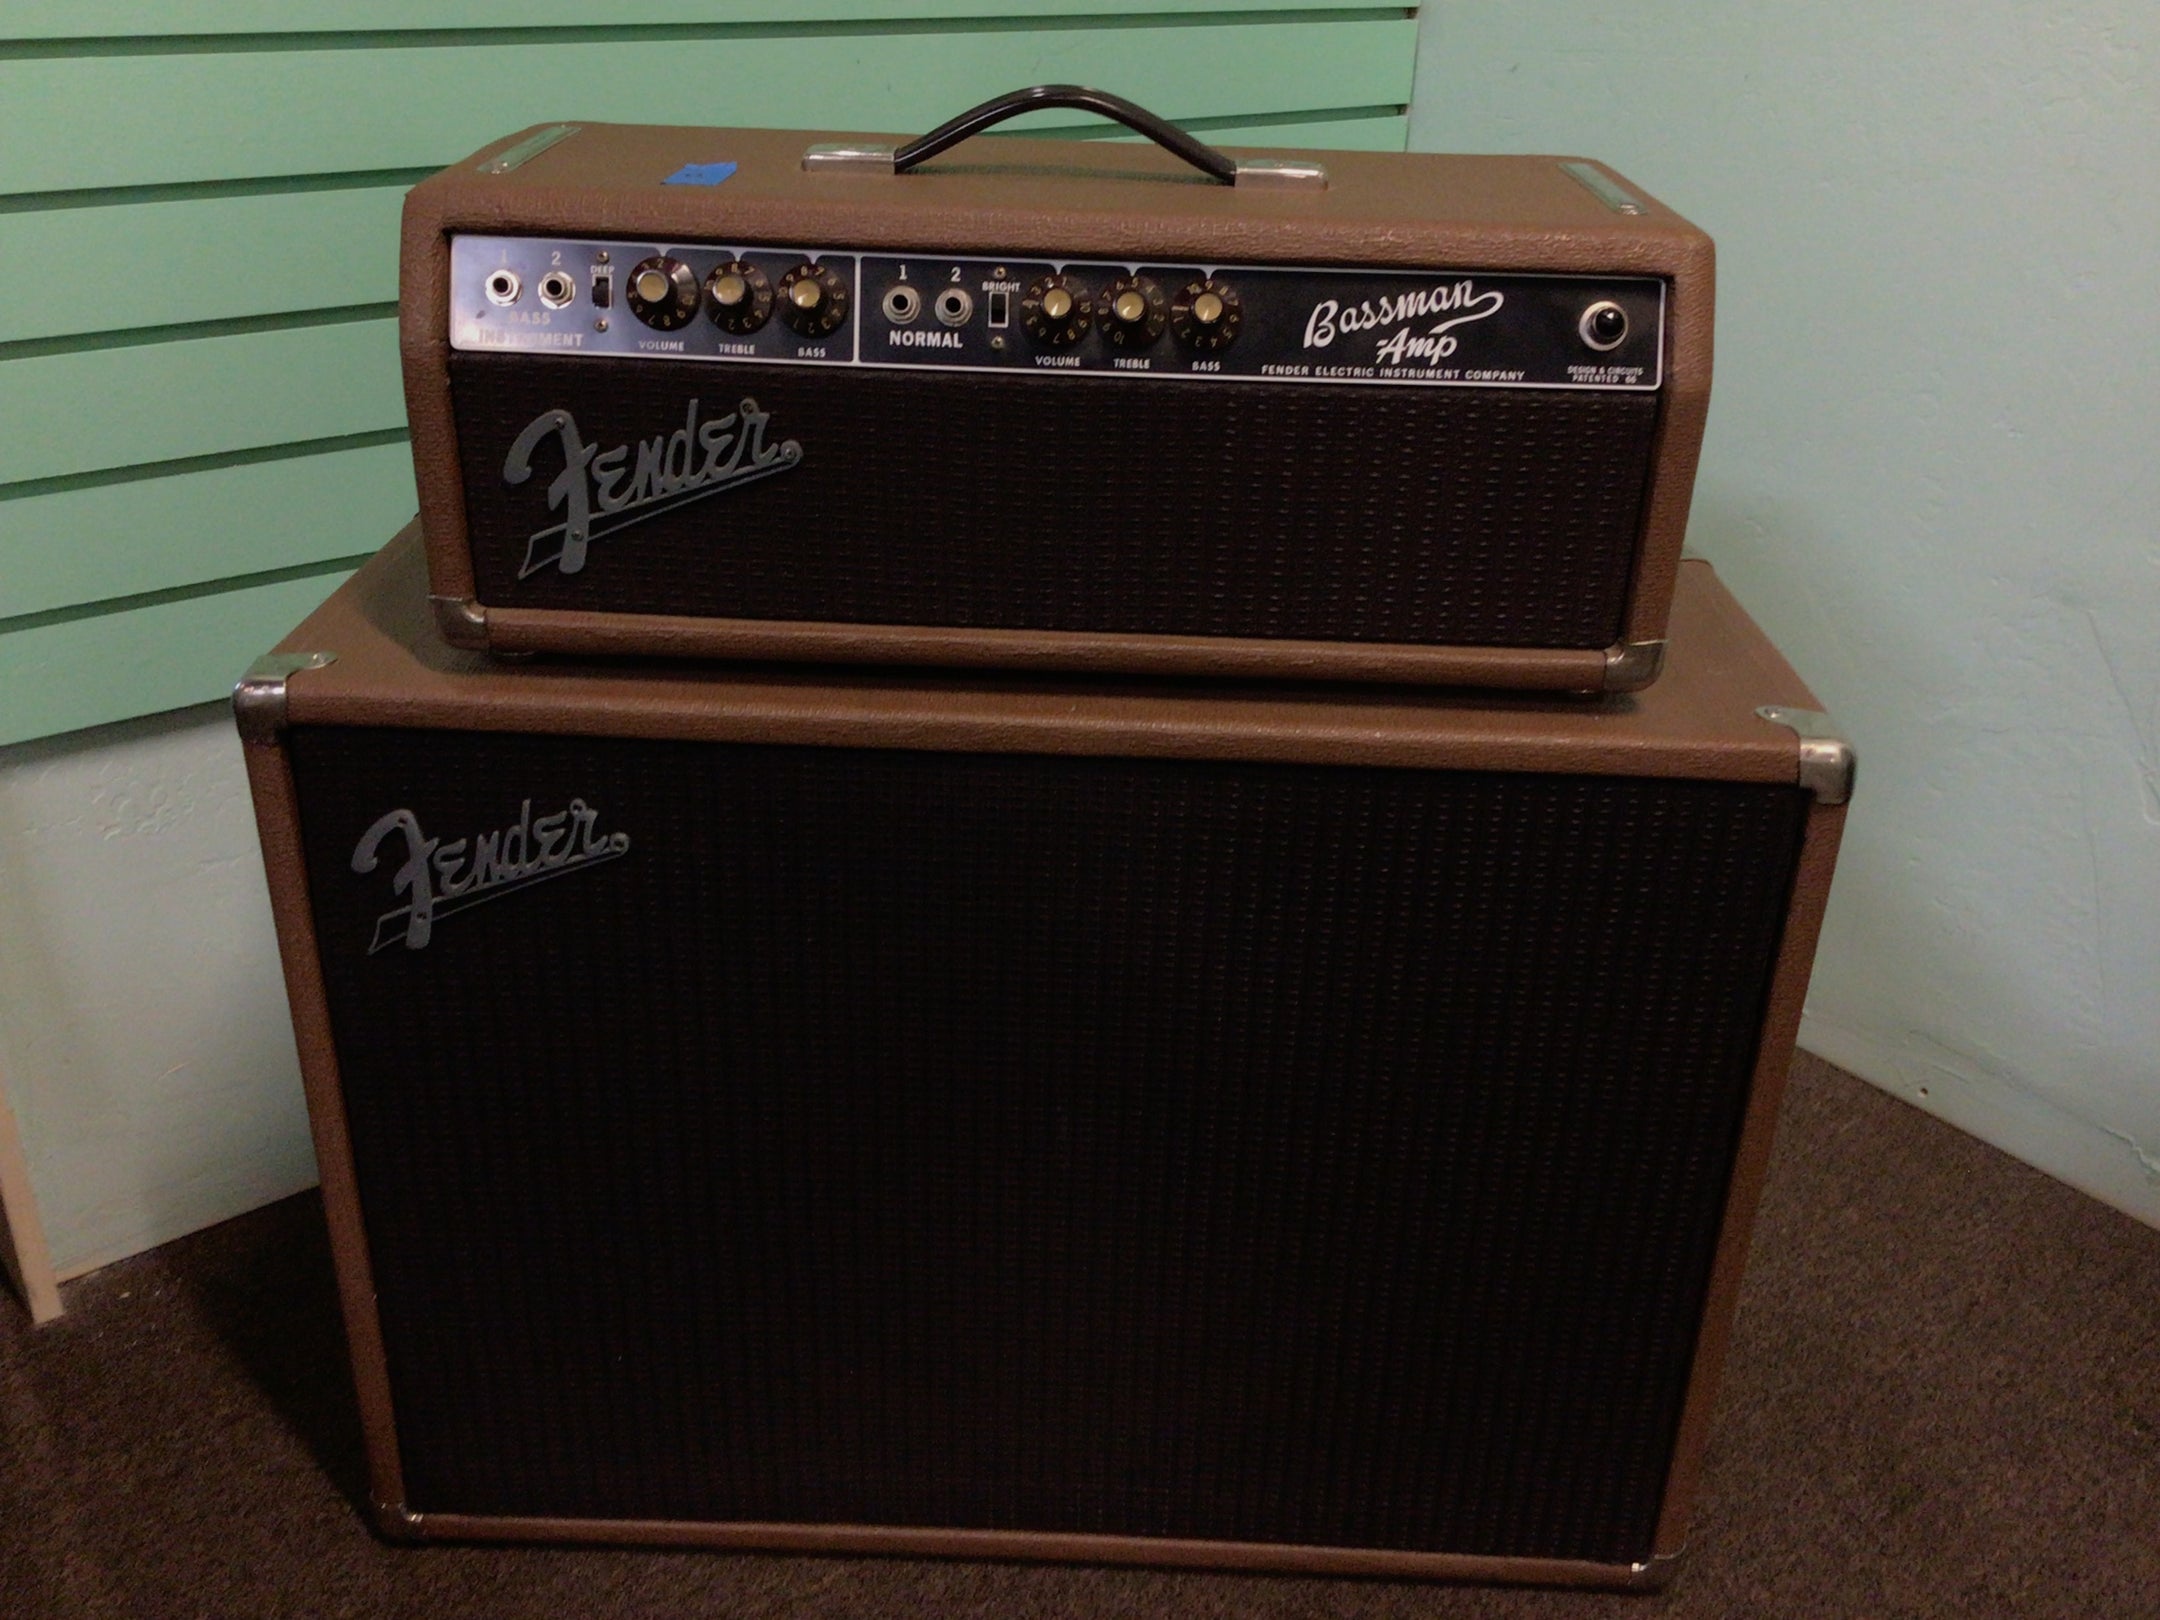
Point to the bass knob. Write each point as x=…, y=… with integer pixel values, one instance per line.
x=813, y=301
x=1206, y=315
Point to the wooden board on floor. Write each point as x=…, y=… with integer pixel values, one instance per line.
x=22, y=1234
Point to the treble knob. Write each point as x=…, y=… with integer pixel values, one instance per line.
x=1134, y=312
x=662, y=292
x=1057, y=311
x=813, y=301
x=738, y=297
x=1206, y=315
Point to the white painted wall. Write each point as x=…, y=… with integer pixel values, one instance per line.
x=144, y=1038
x=1933, y=473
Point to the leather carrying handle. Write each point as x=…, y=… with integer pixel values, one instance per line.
x=1218, y=166
x=1078, y=98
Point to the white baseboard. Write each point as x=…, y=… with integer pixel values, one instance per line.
x=2024, y=1124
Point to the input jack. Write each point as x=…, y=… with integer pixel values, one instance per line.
x=902, y=304
x=954, y=306
x=503, y=286
x=557, y=289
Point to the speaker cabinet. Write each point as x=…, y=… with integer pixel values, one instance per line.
x=1071, y=1121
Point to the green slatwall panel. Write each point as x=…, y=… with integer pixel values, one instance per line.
x=366, y=481
x=71, y=122
x=147, y=655
x=79, y=411
x=334, y=248
x=195, y=451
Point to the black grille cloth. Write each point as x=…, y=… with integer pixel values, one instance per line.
x=1437, y=516
x=1245, y=1151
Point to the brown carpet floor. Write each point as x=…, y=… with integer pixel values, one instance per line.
x=1944, y=1399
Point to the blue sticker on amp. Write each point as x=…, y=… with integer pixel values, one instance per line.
x=699, y=174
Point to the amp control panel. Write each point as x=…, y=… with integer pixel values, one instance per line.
x=1461, y=328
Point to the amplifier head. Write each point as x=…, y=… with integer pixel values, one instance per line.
x=1055, y=404
x=1244, y=1126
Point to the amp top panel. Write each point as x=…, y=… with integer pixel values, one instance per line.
x=716, y=302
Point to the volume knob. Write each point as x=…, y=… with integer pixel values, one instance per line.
x=1057, y=311
x=662, y=292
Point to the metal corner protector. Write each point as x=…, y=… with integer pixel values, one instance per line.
x=461, y=621
x=1632, y=665
x=848, y=158
x=1656, y=1573
x=258, y=699
x=1828, y=763
x=397, y=1522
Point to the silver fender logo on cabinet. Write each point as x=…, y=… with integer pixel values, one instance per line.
x=439, y=879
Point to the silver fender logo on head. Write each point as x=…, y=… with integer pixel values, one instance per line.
x=439, y=879
x=599, y=491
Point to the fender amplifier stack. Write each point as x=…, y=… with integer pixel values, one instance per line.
x=1044, y=1112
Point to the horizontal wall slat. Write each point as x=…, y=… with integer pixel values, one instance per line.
x=156, y=534
x=76, y=122
x=88, y=671
x=80, y=412
x=55, y=19
x=203, y=259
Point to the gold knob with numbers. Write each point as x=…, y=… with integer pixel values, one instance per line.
x=662, y=292
x=1056, y=312
x=738, y=297
x=814, y=300
x=1133, y=312
x=1206, y=315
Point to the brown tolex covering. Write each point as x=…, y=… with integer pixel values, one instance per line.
x=1417, y=210
x=1699, y=722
